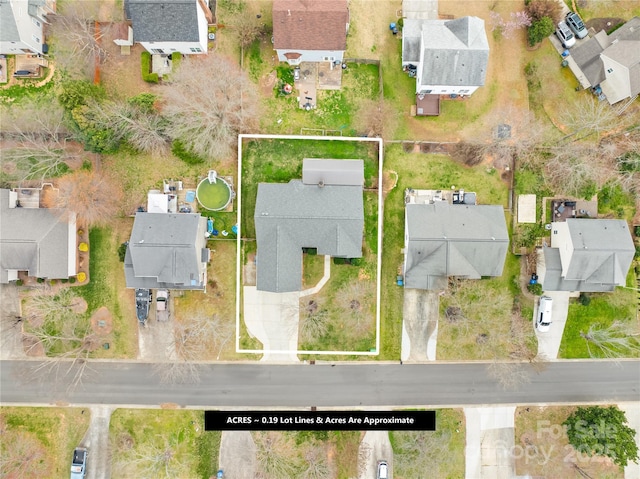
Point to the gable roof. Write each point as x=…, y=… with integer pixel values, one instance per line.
x=36, y=240
x=8, y=26
x=310, y=24
x=453, y=240
x=601, y=254
x=166, y=251
x=163, y=20
x=332, y=172
x=291, y=216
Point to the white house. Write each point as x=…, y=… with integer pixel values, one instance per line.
x=167, y=26
x=22, y=26
x=448, y=56
x=310, y=31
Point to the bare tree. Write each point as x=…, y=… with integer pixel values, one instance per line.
x=316, y=465
x=208, y=103
x=615, y=341
x=420, y=454
x=589, y=170
x=35, y=140
x=22, y=455
x=354, y=301
x=158, y=458
x=314, y=320
x=276, y=455
x=92, y=196
x=144, y=129
x=588, y=116
x=81, y=38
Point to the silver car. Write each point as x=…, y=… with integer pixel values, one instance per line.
x=575, y=23
x=565, y=36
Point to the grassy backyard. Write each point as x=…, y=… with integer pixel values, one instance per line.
x=39, y=442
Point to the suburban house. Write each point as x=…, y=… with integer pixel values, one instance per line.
x=457, y=238
x=610, y=63
x=167, y=26
x=39, y=241
x=310, y=31
x=22, y=26
x=324, y=211
x=588, y=255
x=167, y=251
x=447, y=57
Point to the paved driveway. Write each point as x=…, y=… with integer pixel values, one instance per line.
x=419, y=325
x=10, y=323
x=490, y=441
x=238, y=455
x=549, y=342
x=375, y=446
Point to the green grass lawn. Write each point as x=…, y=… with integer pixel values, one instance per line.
x=162, y=443
x=105, y=288
x=440, y=452
x=40, y=441
x=312, y=269
x=604, y=309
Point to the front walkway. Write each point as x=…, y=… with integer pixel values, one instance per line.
x=490, y=441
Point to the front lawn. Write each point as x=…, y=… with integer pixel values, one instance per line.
x=39, y=442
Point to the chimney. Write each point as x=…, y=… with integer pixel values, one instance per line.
x=288, y=13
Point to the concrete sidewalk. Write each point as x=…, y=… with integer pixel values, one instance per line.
x=489, y=442
x=325, y=277
x=632, y=411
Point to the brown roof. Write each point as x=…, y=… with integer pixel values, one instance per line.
x=310, y=24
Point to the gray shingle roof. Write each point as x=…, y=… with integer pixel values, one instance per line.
x=35, y=240
x=291, y=216
x=453, y=240
x=587, y=56
x=332, y=172
x=8, y=27
x=163, y=20
x=166, y=251
x=411, y=34
x=602, y=252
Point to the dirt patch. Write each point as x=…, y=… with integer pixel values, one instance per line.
x=267, y=83
x=389, y=182
x=78, y=305
x=33, y=347
x=607, y=23
x=102, y=322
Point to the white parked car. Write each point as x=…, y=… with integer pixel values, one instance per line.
x=563, y=32
x=543, y=321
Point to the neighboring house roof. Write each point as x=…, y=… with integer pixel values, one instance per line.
x=623, y=47
x=167, y=251
x=8, y=27
x=450, y=52
x=36, y=240
x=163, y=20
x=310, y=24
x=332, y=172
x=590, y=255
x=453, y=240
x=291, y=216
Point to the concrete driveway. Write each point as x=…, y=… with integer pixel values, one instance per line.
x=490, y=442
x=632, y=412
x=238, y=455
x=375, y=446
x=549, y=342
x=419, y=325
x=10, y=323
x=272, y=318
x=96, y=440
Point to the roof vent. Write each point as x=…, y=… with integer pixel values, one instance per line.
x=321, y=183
x=288, y=13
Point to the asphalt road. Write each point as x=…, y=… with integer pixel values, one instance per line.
x=350, y=385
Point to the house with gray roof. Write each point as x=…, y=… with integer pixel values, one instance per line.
x=588, y=255
x=167, y=251
x=611, y=62
x=327, y=215
x=22, y=26
x=310, y=31
x=443, y=239
x=449, y=56
x=40, y=241
x=167, y=26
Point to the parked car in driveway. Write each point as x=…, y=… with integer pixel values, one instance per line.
x=383, y=470
x=543, y=320
x=79, y=463
x=575, y=23
x=143, y=301
x=563, y=32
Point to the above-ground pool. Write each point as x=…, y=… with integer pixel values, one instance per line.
x=214, y=196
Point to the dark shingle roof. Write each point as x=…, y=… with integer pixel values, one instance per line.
x=163, y=20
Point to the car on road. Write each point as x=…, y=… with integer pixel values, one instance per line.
x=576, y=24
x=383, y=470
x=79, y=463
x=543, y=320
x=563, y=32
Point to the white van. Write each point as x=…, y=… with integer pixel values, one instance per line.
x=543, y=322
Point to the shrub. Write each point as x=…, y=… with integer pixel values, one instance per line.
x=75, y=93
x=40, y=280
x=72, y=280
x=82, y=276
x=52, y=281
x=339, y=260
x=84, y=247
x=181, y=151
x=19, y=282
x=144, y=101
x=539, y=30
x=122, y=251
x=145, y=68
x=535, y=289
x=584, y=299
x=64, y=281
x=176, y=58
x=356, y=261
x=539, y=9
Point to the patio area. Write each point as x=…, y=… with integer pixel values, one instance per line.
x=161, y=64
x=329, y=76
x=562, y=209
